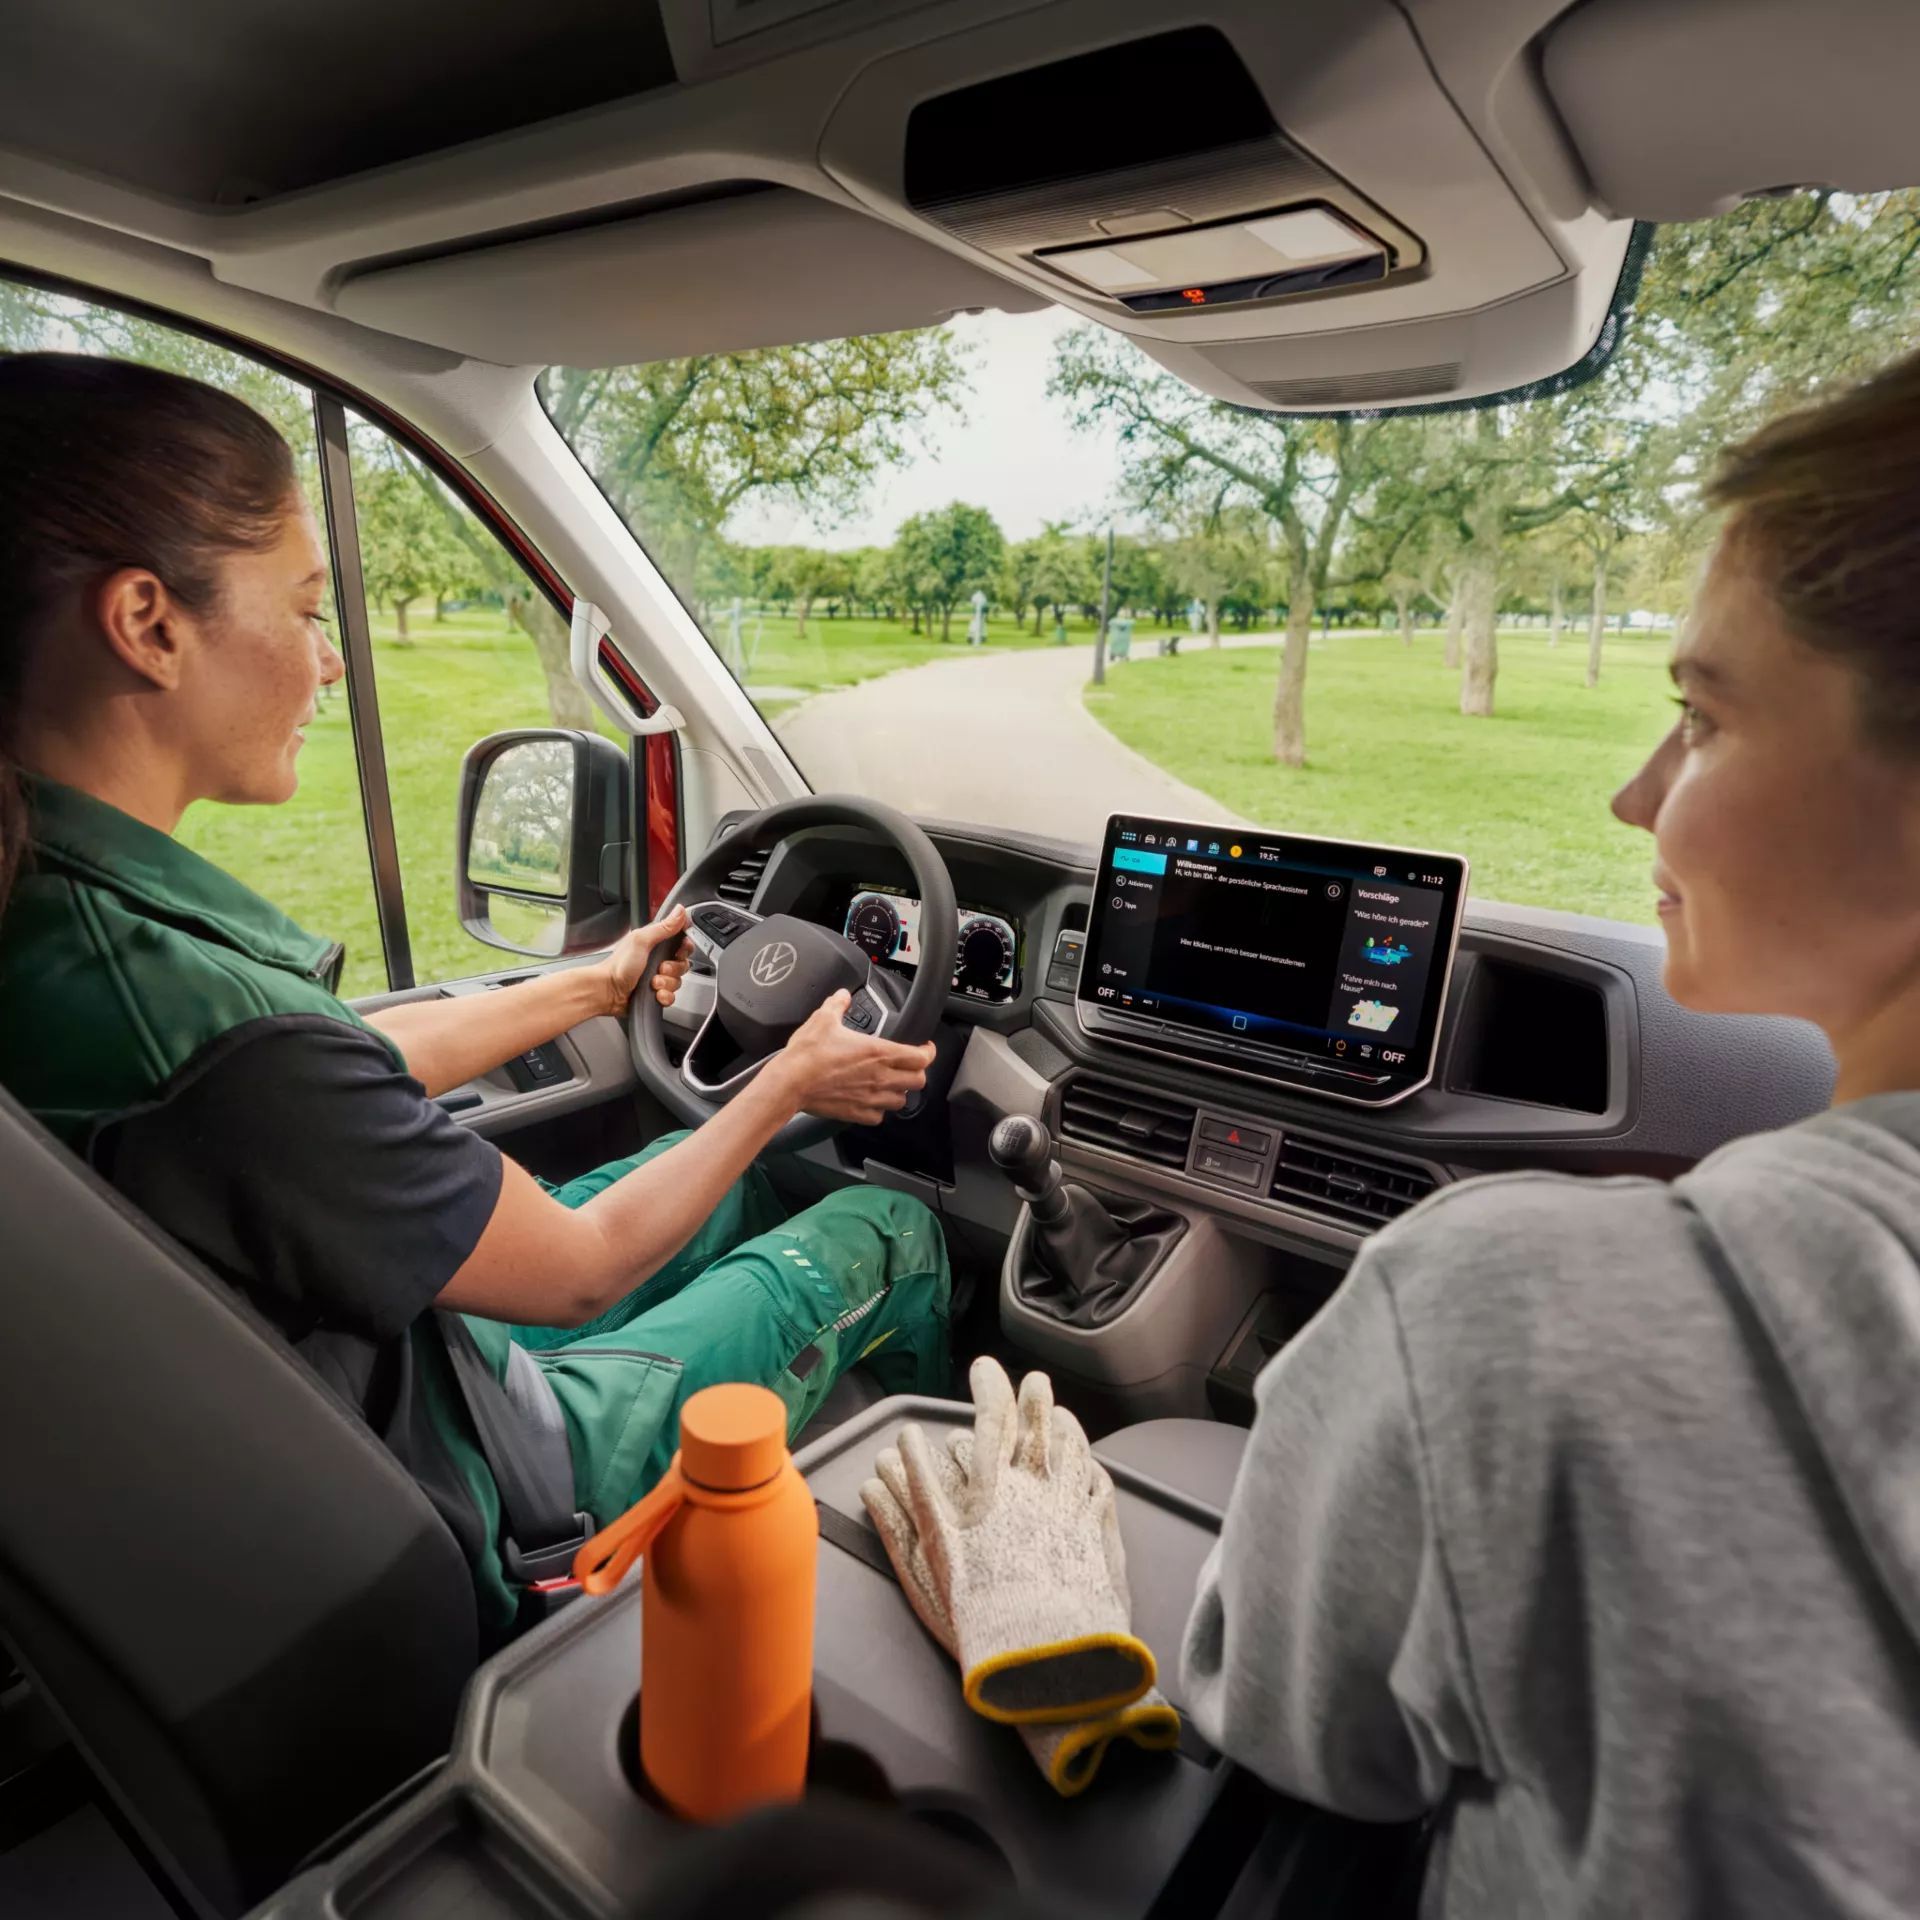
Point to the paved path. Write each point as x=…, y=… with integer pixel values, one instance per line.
x=998, y=738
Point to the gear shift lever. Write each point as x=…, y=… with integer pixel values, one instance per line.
x=1023, y=1150
x=1090, y=1257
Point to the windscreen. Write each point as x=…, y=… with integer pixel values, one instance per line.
x=1010, y=571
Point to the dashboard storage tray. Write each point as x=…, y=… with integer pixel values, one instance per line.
x=535, y=1813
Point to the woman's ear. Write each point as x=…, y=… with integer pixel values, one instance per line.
x=140, y=621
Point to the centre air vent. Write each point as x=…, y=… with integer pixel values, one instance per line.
x=1347, y=1185
x=742, y=879
x=1123, y=1119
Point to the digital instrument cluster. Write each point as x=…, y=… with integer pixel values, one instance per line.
x=885, y=923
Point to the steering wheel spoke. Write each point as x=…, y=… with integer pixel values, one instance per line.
x=772, y=971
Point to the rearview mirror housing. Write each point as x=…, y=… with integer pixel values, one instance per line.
x=544, y=841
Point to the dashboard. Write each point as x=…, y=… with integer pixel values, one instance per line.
x=1537, y=1039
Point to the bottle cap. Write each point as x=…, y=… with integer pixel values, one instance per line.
x=733, y=1437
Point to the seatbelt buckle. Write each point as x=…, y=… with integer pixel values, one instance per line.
x=546, y=1566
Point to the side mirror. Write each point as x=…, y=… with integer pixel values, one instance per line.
x=544, y=841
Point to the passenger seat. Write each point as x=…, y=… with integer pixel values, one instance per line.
x=1199, y=1458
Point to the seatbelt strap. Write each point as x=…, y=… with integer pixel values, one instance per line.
x=526, y=1451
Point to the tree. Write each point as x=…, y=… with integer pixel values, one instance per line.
x=1216, y=557
x=1183, y=446
x=816, y=573
x=678, y=445
x=406, y=546
x=947, y=555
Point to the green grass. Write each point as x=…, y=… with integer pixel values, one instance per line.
x=842, y=653
x=1390, y=756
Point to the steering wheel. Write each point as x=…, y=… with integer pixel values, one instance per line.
x=772, y=972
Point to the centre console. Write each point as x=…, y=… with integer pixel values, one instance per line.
x=539, y=1813
x=1321, y=965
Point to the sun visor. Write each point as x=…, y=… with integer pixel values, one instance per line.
x=761, y=267
x=1682, y=108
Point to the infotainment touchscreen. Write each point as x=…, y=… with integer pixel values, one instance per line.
x=1323, y=963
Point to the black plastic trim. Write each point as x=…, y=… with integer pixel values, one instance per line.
x=363, y=698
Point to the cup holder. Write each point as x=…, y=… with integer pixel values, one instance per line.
x=848, y=1772
x=944, y=1817
x=833, y=1766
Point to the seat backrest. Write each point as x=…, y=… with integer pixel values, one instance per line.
x=249, y=1617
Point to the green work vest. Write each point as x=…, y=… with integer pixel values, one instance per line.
x=122, y=955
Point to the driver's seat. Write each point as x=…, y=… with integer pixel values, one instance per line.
x=249, y=1618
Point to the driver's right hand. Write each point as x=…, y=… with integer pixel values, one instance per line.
x=839, y=1074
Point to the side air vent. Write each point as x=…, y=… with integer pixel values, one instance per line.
x=743, y=878
x=1361, y=389
x=1345, y=1184
x=1147, y=1126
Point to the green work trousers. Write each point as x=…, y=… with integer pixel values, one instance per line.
x=860, y=1278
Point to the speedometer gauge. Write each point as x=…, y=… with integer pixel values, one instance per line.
x=984, y=960
x=874, y=927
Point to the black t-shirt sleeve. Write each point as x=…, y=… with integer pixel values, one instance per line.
x=298, y=1161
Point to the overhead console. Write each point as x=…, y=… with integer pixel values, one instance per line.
x=1285, y=206
x=1320, y=965
x=1143, y=209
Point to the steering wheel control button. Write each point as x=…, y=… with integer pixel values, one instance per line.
x=1230, y=1133
x=719, y=924
x=1242, y=1170
x=861, y=1016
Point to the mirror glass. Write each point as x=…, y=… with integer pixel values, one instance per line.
x=523, y=826
x=531, y=926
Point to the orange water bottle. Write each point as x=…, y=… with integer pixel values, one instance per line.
x=731, y=1541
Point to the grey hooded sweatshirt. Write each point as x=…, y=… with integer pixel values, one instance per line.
x=1588, y=1514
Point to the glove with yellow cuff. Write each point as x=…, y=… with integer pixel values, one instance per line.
x=1007, y=1544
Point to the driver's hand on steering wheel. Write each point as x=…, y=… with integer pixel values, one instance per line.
x=622, y=969
x=832, y=1071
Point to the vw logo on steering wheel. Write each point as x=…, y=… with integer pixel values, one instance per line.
x=772, y=964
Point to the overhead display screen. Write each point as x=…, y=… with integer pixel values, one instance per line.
x=1320, y=962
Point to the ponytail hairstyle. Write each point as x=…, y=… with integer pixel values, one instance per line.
x=106, y=464
x=1825, y=506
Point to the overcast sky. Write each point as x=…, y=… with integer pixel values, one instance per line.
x=1014, y=454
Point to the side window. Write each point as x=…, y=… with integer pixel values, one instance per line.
x=310, y=856
x=464, y=644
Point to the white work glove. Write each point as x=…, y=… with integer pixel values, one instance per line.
x=1016, y=1548
x=1068, y=1755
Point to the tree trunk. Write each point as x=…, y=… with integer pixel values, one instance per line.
x=1213, y=623
x=1039, y=608
x=914, y=611
x=567, y=699
x=400, y=622
x=1402, y=617
x=1456, y=616
x=1597, y=620
x=806, y=607
x=946, y=623
x=1558, y=618
x=1290, y=697
x=1479, y=593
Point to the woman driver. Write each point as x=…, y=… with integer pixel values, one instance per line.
x=1587, y=1514
x=160, y=643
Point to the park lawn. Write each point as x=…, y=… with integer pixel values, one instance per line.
x=842, y=653
x=1391, y=757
